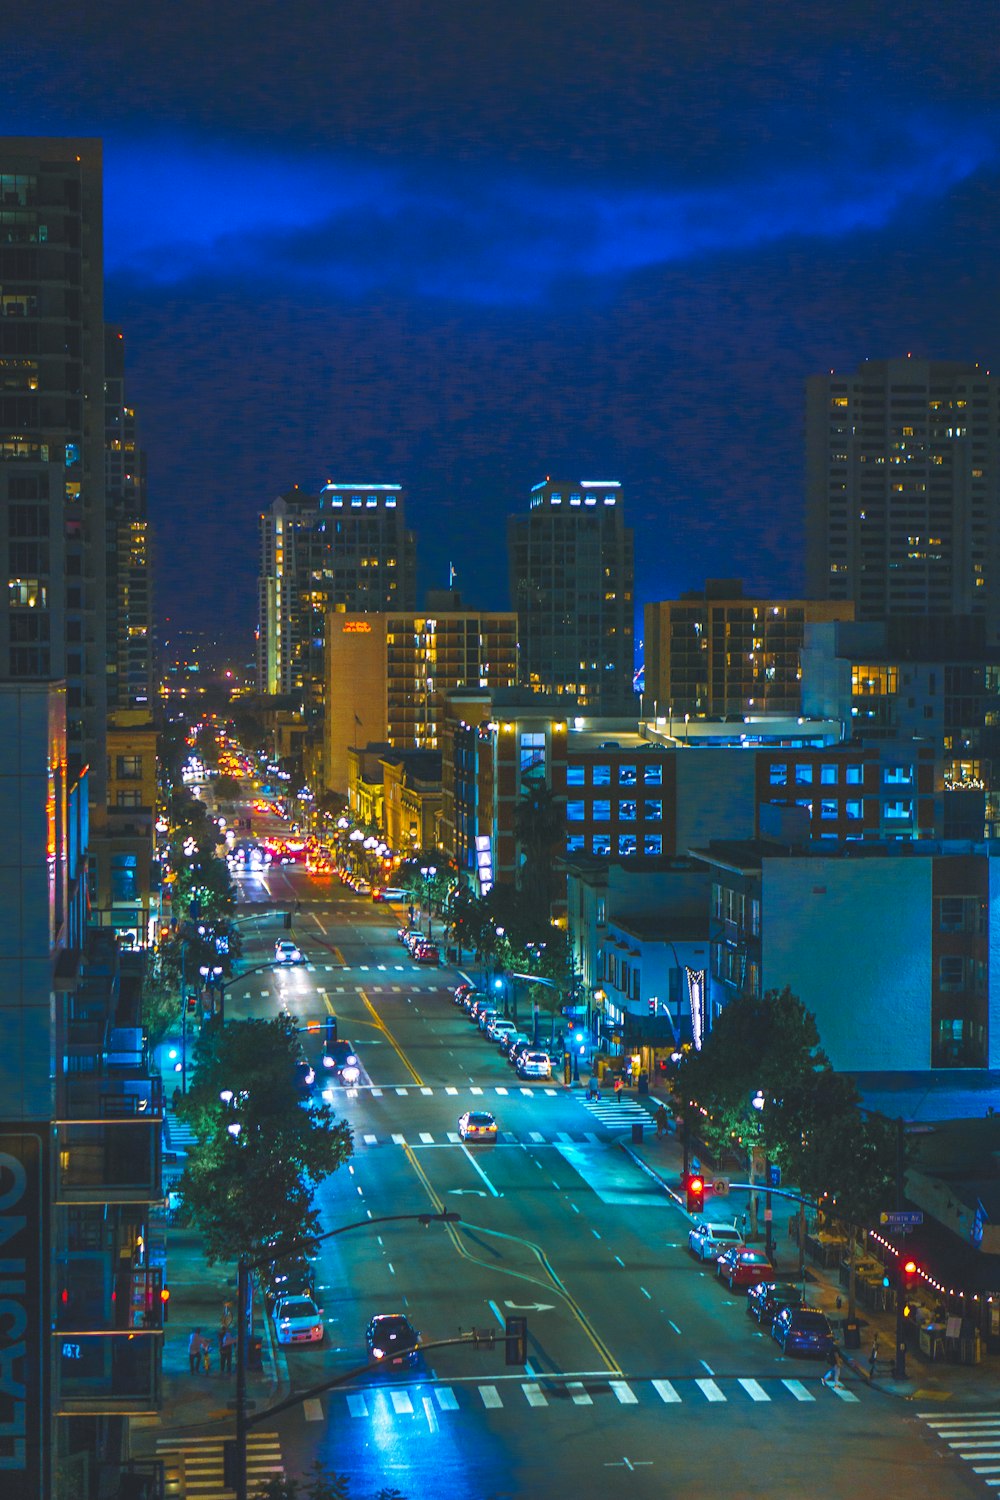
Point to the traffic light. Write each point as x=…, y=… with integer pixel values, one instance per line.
x=192, y=1004
x=695, y=1193
x=331, y=1030
x=908, y=1270
x=165, y=1302
x=516, y=1334
x=652, y=1007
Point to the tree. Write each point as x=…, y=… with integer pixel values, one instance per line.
x=321, y=1485
x=227, y=789
x=248, y=1189
x=540, y=829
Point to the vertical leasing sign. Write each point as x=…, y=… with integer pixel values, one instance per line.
x=24, y=1364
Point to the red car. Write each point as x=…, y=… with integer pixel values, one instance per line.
x=741, y=1266
x=427, y=953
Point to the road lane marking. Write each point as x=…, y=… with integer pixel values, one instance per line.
x=534, y=1395
x=645, y=1293
x=536, y=1137
x=673, y=1325
x=843, y=1393
x=403, y=1093
x=624, y=1392
x=798, y=1390
x=357, y=1406
x=581, y=1396
x=707, y=1367
x=376, y=1093
x=371, y=1140
x=620, y=1261
x=754, y=1389
x=426, y=1091
x=454, y=1137
x=381, y=1026
x=399, y=1140
x=563, y=1138
x=493, y=1191
x=427, y=1139
x=475, y=1091
x=451, y=1091
x=490, y=1397
x=312, y=1410
x=709, y=1389
x=529, y=1092
x=401, y=1403
x=446, y=1398
x=666, y=1392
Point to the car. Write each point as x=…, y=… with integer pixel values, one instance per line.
x=292, y=1276
x=462, y=989
x=362, y=887
x=477, y=1125
x=475, y=1004
x=707, y=1240
x=802, y=1330
x=485, y=1015
x=342, y=1061
x=767, y=1298
x=392, y=1339
x=427, y=953
x=389, y=893
x=534, y=1065
x=740, y=1266
x=514, y=1043
x=499, y=1027
x=414, y=939
x=286, y=952
x=297, y=1320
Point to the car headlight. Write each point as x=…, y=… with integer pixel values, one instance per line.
x=378, y=1353
x=350, y=1075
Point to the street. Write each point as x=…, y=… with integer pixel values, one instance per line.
x=644, y=1378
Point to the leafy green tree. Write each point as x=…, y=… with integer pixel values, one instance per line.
x=227, y=789
x=321, y=1485
x=247, y=1189
x=540, y=829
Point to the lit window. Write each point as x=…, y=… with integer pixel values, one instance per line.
x=828, y=775
x=827, y=809
x=653, y=812
x=626, y=812
x=601, y=812
x=853, y=775
x=626, y=844
x=600, y=843
x=652, y=843
x=652, y=775
x=574, y=812
x=779, y=775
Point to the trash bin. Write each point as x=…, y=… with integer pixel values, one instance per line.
x=637, y=1134
x=852, y=1333
x=255, y=1352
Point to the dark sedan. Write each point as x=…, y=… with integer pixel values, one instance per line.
x=802, y=1330
x=767, y=1298
x=392, y=1339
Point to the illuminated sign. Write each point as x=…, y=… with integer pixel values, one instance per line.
x=696, y=1000
x=484, y=862
x=356, y=627
x=24, y=1366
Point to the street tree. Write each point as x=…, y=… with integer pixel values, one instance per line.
x=540, y=829
x=321, y=1484
x=227, y=789
x=251, y=1177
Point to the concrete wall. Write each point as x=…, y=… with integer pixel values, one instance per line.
x=852, y=938
x=356, y=691
x=716, y=796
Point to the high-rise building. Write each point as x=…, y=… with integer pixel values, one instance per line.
x=52, y=486
x=714, y=652
x=572, y=569
x=129, y=588
x=347, y=549
x=903, y=481
x=388, y=676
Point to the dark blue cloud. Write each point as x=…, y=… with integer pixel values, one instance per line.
x=184, y=210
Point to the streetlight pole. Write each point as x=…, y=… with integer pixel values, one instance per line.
x=184, y=1018
x=243, y=1269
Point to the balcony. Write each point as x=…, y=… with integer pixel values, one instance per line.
x=108, y=1372
x=110, y=1151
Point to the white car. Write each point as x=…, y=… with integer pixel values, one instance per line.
x=297, y=1320
x=498, y=1028
x=534, y=1065
x=285, y=952
x=707, y=1241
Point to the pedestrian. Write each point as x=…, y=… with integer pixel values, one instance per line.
x=661, y=1122
x=196, y=1346
x=832, y=1376
x=594, y=1087
x=628, y=1072
x=873, y=1358
x=744, y=1222
x=695, y=1167
x=619, y=1090
x=227, y=1342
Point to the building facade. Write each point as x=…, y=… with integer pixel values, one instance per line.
x=714, y=652
x=903, y=474
x=53, y=536
x=130, y=646
x=388, y=676
x=347, y=548
x=894, y=949
x=572, y=569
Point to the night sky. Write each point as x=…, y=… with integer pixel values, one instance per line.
x=463, y=245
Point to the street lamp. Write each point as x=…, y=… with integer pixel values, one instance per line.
x=428, y=872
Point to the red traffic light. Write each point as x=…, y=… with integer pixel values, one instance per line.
x=695, y=1193
x=909, y=1268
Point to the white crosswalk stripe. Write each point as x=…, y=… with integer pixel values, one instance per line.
x=197, y=1464
x=973, y=1437
x=798, y=1390
x=490, y=1396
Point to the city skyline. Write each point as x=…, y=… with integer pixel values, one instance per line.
x=463, y=254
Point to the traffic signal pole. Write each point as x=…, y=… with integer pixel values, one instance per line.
x=899, y=1365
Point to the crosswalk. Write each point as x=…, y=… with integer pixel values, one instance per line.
x=972, y=1436
x=617, y=1114
x=418, y=1138
x=178, y=1135
x=537, y=1395
x=193, y=1466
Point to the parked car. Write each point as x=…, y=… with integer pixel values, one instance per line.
x=707, y=1240
x=534, y=1065
x=362, y=887
x=499, y=1027
x=292, y=1276
x=485, y=1015
x=802, y=1330
x=767, y=1298
x=477, y=1125
x=427, y=953
x=515, y=1043
x=740, y=1266
x=392, y=1339
x=297, y=1320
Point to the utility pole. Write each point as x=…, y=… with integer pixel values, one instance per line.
x=184, y=1018
x=899, y=1367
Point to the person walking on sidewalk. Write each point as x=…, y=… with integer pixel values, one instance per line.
x=832, y=1376
x=661, y=1122
x=873, y=1358
x=197, y=1348
x=619, y=1090
x=227, y=1343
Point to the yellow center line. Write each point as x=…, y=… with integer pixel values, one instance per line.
x=392, y=1041
x=552, y=1283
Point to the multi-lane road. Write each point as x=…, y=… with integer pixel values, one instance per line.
x=644, y=1376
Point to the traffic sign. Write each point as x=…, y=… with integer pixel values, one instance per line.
x=773, y=1175
x=721, y=1186
x=902, y=1219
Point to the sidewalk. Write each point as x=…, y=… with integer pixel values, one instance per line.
x=202, y=1403
x=963, y=1386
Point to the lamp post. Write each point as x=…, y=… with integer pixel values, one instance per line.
x=243, y=1268
x=758, y=1102
x=428, y=872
